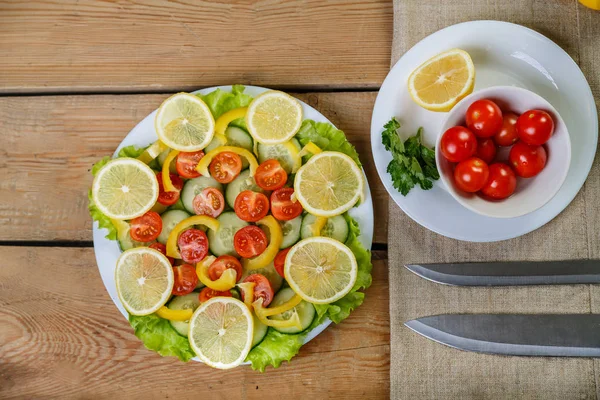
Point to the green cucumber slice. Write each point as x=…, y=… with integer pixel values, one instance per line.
x=187, y=302
x=161, y=160
x=269, y=272
x=305, y=310
x=194, y=187
x=278, y=152
x=220, y=242
x=291, y=231
x=170, y=219
x=238, y=185
x=126, y=242
x=235, y=137
x=260, y=331
x=335, y=227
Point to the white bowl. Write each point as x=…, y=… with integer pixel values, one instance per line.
x=531, y=193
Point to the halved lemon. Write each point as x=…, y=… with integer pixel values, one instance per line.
x=184, y=122
x=144, y=279
x=221, y=332
x=125, y=188
x=321, y=270
x=443, y=80
x=329, y=184
x=274, y=117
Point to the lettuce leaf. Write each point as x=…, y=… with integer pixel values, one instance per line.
x=275, y=348
x=221, y=101
x=327, y=137
x=131, y=151
x=158, y=335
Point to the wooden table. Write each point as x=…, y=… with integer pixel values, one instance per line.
x=75, y=77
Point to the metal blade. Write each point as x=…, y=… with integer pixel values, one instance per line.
x=560, y=335
x=511, y=273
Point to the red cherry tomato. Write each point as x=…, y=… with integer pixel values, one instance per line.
x=484, y=118
x=535, y=127
x=262, y=289
x=193, y=245
x=458, y=143
x=209, y=202
x=279, y=261
x=526, y=160
x=222, y=263
x=250, y=241
x=185, y=279
x=187, y=162
x=225, y=167
x=208, y=293
x=145, y=228
x=162, y=249
x=486, y=150
x=501, y=183
x=470, y=175
x=251, y=206
x=270, y=175
x=507, y=135
x=282, y=206
x=169, y=198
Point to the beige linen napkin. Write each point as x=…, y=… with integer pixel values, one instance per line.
x=422, y=369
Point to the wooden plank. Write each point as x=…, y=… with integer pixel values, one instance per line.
x=64, y=338
x=93, y=45
x=49, y=143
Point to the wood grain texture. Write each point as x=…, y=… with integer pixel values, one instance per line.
x=73, y=46
x=62, y=337
x=49, y=143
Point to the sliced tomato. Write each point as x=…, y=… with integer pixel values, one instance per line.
x=251, y=206
x=270, y=175
x=209, y=202
x=193, y=245
x=208, y=293
x=250, y=241
x=169, y=198
x=222, y=263
x=146, y=228
x=162, y=249
x=279, y=261
x=225, y=167
x=185, y=279
x=282, y=206
x=187, y=162
x=262, y=289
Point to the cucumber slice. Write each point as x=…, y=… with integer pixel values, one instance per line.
x=177, y=206
x=238, y=185
x=170, y=219
x=291, y=231
x=235, y=137
x=221, y=241
x=126, y=242
x=194, y=187
x=335, y=228
x=260, y=331
x=161, y=160
x=305, y=310
x=279, y=153
x=269, y=272
x=187, y=302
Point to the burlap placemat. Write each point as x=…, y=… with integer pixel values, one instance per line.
x=422, y=369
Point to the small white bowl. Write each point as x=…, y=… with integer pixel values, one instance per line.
x=531, y=193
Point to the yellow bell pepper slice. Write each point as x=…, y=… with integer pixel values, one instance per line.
x=205, y=161
x=225, y=282
x=247, y=289
x=120, y=226
x=292, y=322
x=272, y=249
x=172, y=250
x=166, y=177
x=288, y=305
x=311, y=148
x=318, y=225
x=152, y=152
x=224, y=120
x=174, y=315
x=293, y=151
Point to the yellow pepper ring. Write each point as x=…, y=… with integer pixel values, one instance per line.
x=208, y=157
x=318, y=225
x=293, y=151
x=310, y=147
x=166, y=177
x=247, y=289
x=225, y=282
x=272, y=249
x=224, y=120
x=172, y=250
x=288, y=305
x=174, y=315
x=292, y=322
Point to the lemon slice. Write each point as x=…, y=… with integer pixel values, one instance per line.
x=274, y=117
x=221, y=332
x=184, y=122
x=329, y=184
x=321, y=270
x=144, y=279
x=443, y=80
x=125, y=188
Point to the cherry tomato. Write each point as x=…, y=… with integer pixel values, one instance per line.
x=262, y=289
x=187, y=162
x=208, y=293
x=484, y=118
x=279, y=261
x=535, y=127
x=250, y=241
x=470, y=175
x=282, y=206
x=185, y=279
x=225, y=167
x=486, y=150
x=526, y=160
x=222, y=263
x=145, y=228
x=507, y=135
x=458, y=143
x=209, y=202
x=501, y=183
x=270, y=175
x=251, y=206
x=169, y=198
x=162, y=249
x=193, y=245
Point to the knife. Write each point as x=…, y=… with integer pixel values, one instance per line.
x=560, y=335
x=510, y=273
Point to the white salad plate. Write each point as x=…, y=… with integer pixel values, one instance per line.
x=107, y=251
x=504, y=54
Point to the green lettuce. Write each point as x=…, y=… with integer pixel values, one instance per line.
x=327, y=137
x=131, y=151
x=157, y=334
x=220, y=101
x=275, y=348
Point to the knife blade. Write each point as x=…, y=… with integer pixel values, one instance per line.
x=560, y=335
x=510, y=273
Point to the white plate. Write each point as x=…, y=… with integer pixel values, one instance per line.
x=107, y=251
x=504, y=54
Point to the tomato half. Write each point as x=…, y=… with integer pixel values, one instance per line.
x=250, y=241
x=208, y=293
x=193, y=245
x=470, y=175
x=526, y=160
x=507, y=135
x=501, y=183
x=145, y=228
x=458, y=143
x=251, y=206
x=486, y=150
x=162, y=249
x=484, y=118
x=270, y=175
x=282, y=206
x=225, y=167
x=262, y=289
x=535, y=127
x=169, y=198
x=222, y=263
x=279, y=261
x=185, y=279
x=187, y=162
x=209, y=202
